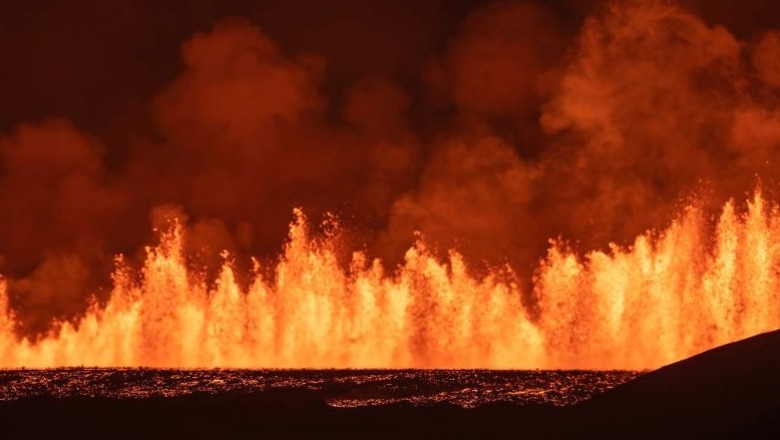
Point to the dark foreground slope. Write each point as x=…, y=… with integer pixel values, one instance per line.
x=240, y=417
x=729, y=392
x=732, y=391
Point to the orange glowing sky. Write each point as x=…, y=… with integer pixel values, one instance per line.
x=450, y=141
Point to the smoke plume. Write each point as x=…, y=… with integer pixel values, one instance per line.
x=488, y=127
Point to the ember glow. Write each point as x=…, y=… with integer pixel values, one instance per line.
x=668, y=296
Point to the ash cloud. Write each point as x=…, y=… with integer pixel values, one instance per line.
x=489, y=127
x=652, y=105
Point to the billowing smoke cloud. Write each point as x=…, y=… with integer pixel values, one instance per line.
x=653, y=105
x=492, y=67
x=247, y=138
x=475, y=195
x=477, y=191
x=522, y=121
x=59, y=210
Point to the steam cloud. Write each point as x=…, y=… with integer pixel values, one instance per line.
x=522, y=122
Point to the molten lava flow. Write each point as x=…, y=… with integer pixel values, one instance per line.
x=668, y=296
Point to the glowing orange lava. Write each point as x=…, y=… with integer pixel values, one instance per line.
x=667, y=296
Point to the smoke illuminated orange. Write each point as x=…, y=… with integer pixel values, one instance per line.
x=668, y=296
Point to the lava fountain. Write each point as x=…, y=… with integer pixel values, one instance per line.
x=669, y=295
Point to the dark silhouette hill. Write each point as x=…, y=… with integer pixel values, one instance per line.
x=732, y=391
